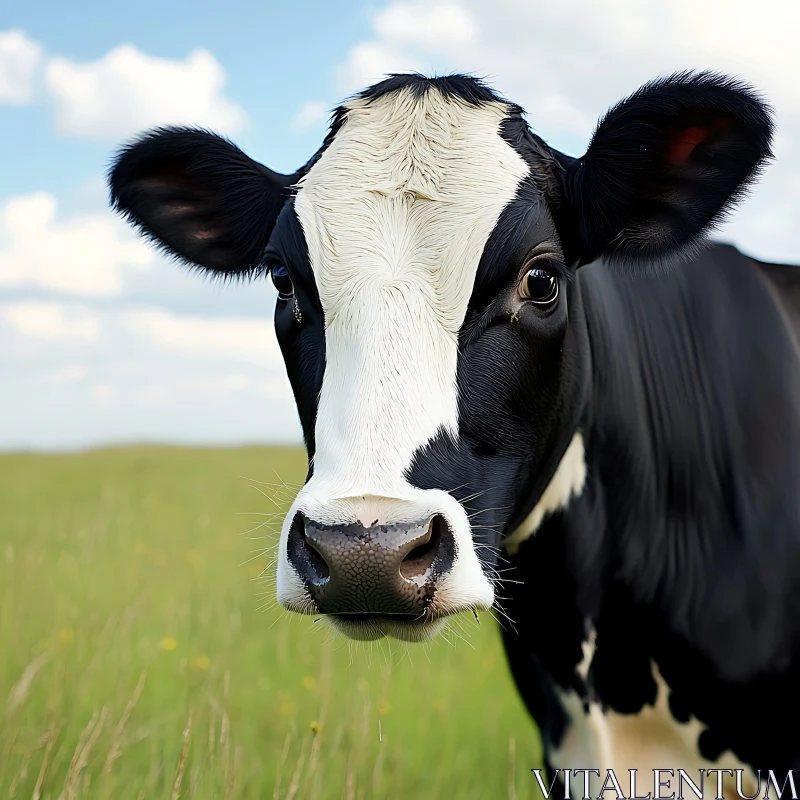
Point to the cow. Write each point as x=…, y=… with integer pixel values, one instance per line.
x=534, y=384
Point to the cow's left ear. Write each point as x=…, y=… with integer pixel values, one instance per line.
x=663, y=167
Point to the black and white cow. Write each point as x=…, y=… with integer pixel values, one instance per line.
x=493, y=346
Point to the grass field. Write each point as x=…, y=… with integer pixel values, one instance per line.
x=142, y=656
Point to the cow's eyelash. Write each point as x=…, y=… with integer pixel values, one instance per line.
x=547, y=256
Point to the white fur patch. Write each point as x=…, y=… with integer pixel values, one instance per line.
x=649, y=740
x=585, y=744
x=396, y=214
x=653, y=738
x=567, y=482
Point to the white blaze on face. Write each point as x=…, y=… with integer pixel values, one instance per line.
x=396, y=214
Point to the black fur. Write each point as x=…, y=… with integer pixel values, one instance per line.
x=466, y=88
x=303, y=346
x=199, y=198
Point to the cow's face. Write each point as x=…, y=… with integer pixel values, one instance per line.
x=429, y=313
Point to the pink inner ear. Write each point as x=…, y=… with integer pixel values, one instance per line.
x=203, y=232
x=683, y=141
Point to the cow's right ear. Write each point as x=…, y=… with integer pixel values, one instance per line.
x=198, y=197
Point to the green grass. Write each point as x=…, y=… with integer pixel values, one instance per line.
x=126, y=567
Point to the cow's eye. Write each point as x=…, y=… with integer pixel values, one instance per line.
x=539, y=286
x=283, y=283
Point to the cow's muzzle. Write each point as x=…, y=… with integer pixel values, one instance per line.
x=365, y=572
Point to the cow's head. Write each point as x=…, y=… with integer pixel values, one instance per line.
x=428, y=312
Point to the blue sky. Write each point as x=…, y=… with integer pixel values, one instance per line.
x=101, y=341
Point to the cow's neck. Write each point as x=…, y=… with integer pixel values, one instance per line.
x=647, y=461
x=659, y=498
x=621, y=453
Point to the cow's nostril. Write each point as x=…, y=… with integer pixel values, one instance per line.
x=421, y=558
x=305, y=558
x=318, y=563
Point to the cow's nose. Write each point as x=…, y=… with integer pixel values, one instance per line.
x=382, y=569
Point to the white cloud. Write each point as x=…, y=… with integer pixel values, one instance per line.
x=127, y=91
x=51, y=321
x=309, y=115
x=130, y=331
x=408, y=34
x=101, y=393
x=577, y=55
x=236, y=338
x=69, y=374
x=433, y=26
x=125, y=373
x=19, y=58
x=566, y=63
x=85, y=254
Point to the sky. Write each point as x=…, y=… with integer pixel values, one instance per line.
x=103, y=341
